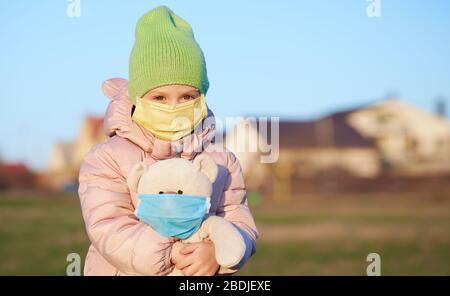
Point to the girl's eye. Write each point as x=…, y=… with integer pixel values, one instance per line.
x=161, y=192
x=159, y=98
x=188, y=98
x=180, y=192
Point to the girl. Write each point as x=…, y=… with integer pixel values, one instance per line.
x=167, y=77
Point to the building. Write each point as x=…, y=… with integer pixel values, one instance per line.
x=411, y=141
x=389, y=137
x=65, y=158
x=307, y=149
x=16, y=175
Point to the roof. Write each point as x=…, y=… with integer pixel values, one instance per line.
x=95, y=125
x=331, y=131
x=15, y=167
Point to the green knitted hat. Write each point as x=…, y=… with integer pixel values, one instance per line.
x=165, y=52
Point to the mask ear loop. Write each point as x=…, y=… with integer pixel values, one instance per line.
x=208, y=205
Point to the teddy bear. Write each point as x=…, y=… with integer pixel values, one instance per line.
x=174, y=197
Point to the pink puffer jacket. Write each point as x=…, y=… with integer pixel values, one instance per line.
x=121, y=244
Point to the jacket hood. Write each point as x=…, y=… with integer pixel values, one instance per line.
x=117, y=121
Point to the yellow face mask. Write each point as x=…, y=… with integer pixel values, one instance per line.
x=170, y=123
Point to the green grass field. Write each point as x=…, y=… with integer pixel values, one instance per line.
x=313, y=235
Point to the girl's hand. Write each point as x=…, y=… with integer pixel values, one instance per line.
x=175, y=253
x=198, y=259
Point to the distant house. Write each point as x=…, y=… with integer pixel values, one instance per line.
x=65, y=158
x=91, y=133
x=390, y=136
x=16, y=176
x=61, y=157
x=411, y=141
x=307, y=149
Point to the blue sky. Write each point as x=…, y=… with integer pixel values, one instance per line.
x=293, y=59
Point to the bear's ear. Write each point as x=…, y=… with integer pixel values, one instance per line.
x=135, y=175
x=207, y=166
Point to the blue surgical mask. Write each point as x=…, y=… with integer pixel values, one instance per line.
x=173, y=215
